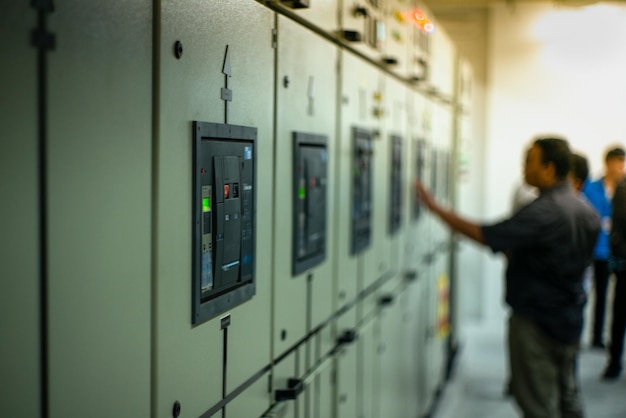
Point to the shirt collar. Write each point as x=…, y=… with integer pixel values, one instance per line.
x=558, y=186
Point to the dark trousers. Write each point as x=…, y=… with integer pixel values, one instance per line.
x=618, y=325
x=600, y=283
x=542, y=372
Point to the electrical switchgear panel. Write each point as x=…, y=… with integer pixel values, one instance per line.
x=224, y=200
x=445, y=175
x=376, y=34
x=309, y=200
x=420, y=155
x=361, y=189
x=434, y=158
x=395, y=213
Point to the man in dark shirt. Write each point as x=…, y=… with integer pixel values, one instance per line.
x=549, y=244
x=617, y=261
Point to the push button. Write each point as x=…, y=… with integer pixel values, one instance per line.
x=226, y=191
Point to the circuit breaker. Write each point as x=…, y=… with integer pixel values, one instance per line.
x=309, y=200
x=445, y=175
x=395, y=212
x=361, y=189
x=224, y=200
x=434, y=158
x=419, y=158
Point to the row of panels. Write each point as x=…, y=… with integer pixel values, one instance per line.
x=138, y=246
x=401, y=35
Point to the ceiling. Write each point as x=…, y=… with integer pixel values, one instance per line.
x=455, y=7
x=466, y=22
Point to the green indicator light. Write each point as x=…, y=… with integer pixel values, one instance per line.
x=301, y=192
x=206, y=204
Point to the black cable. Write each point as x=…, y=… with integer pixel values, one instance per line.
x=224, y=370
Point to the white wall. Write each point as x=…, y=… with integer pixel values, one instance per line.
x=551, y=70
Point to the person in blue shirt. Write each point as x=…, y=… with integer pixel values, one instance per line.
x=600, y=193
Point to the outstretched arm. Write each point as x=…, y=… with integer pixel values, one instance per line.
x=455, y=222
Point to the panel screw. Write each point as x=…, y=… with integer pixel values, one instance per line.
x=176, y=409
x=178, y=49
x=283, y=335
x=286, y=81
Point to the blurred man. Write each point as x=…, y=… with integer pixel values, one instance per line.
x=550, y=242
x=599, y=193
x=578, y=173
x=618, y=265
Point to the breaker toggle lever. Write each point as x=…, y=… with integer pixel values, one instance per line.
x=294, y=389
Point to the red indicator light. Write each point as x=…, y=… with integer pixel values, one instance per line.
x=419, y=19
x=226, y=191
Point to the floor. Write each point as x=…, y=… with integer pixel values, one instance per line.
x=477, y=388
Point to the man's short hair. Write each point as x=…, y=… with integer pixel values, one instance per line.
x=616, y=152
x=557, y=152
x=579, y=167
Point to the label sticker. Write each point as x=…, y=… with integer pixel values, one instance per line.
x=207, y=272
x=247, y=153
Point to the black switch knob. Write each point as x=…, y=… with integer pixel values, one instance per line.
x=348, y=337
x=176, y=409
x=351, y=35
x=360, y=11
x=294, y=388
x=385, y=300
x=298, y=4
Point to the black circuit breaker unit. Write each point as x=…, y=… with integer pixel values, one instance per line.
x=395, y=210
x=434, y=178
x=361, y=189
x=224, y=212
x=445, y=176
x=309, y=200
x=419, y=158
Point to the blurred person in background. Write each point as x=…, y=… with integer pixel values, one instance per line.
x=600, y=193
x=617, y=264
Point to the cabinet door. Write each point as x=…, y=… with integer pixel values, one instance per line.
x=100, y=209
x=19, y=214
x=222, y=53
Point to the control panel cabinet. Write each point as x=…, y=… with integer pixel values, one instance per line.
x=445, y=166
x=361, y=189
x=434, y=172
x=309, y=200
x=363, y=27
x=395, y=213
x=420, y=156
x=223, y=218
